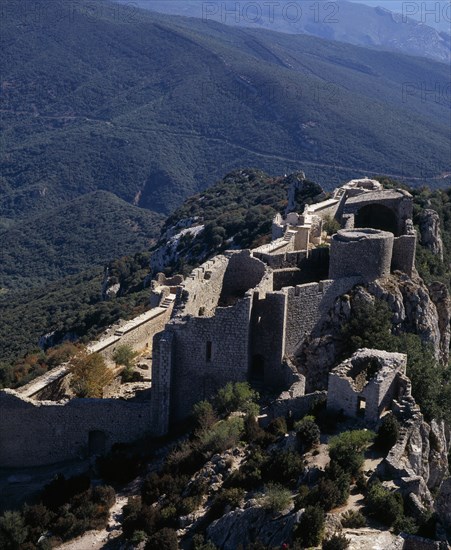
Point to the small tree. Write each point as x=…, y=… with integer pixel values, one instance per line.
x=310, y=529
x=388, y=433
x=347, y=449
x=336, y=542
x=90, y=374
x=238, y=396
x=13, y=531
x=204, y=415
x=308, y=433
x=124, y=355
x=277, y=498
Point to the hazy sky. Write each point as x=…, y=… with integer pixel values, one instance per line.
x=436, y=13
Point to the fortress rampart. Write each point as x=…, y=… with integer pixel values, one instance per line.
x=34, y=433
x=365, y=253
x=239, y=316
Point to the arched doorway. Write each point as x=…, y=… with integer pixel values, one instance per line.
x=377, y=216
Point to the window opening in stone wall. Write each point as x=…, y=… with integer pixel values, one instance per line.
x=257, y=373
x=208, y=352
x=361, y=406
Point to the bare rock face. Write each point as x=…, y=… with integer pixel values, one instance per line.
x=440, y=296
x=443, y=503
x=419, y=459
x=241, y=527
x=430, y=232
x=415, y=308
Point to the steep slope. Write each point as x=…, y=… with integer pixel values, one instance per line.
x=88, y=231
x=391, y=27
x=152, y=108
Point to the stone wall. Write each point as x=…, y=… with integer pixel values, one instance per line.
x=267, y=336
x=206, y=353
x=361, y=252
x=404, y=249
x=398, y=201
x=36, y=433
x=243, y=273
x=137, y=333
x=306, y=306
x=349, y=386
x=202, y=288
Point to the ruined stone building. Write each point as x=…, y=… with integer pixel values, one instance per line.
x=239, y=316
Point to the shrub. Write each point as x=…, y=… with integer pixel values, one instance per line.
x=384, y=505
x=347, y=449
x=90, y=374
x=249, y=476
x=277, y=427
x=406, y=524
x=309, y=532
x=119, y=466
x=326, y=494
x=231, y=497
x=341, y=480
x=204, y=415
x=238, y=396
x=61, y=490
x=223, y=435
x=124, y=355
x=277, y=498
x=353, y=519
x=13, y=531
x=165, y=538
x=331, y=225
x=283, y=467
x=336, y=542
x=302, y=498
x=388, y=433
x=138, y=537
x=199, y=543
x=308, y=433
x=104, y=495
x=187, y=458
x=254, y=433
x=155, y=485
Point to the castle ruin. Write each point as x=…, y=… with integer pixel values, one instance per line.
x=238, y=317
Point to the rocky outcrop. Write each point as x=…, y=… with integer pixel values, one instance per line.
x=243, y=526
x=440, y=296
x=418, y=462
x=430, y=233
x=443, y=503
x=415, y=308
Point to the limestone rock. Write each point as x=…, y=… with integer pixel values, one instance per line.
x=430, y=232
x=443, y=503
x=440, y=297
x=243, y=526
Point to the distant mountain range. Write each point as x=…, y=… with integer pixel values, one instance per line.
x=150, y=109
x=414, y=28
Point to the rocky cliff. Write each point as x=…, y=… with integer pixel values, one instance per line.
x=415, y=308
x=430, y=233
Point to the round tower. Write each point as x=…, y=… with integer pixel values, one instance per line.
x=362, y=252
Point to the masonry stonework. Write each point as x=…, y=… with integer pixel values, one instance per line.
x=239, y=316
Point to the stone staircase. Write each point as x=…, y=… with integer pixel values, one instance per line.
x=168, y=301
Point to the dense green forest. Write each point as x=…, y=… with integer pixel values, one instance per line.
x=153, y=108
x=88, y=231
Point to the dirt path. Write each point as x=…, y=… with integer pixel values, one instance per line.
x=95, y=540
